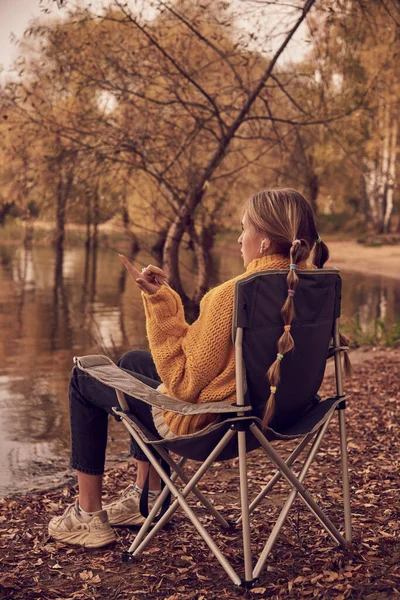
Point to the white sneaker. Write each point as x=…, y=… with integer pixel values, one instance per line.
x=71, y=529
x=125, y=509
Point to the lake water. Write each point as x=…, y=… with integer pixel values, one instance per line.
x=47, y=316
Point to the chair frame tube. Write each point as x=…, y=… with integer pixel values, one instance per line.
x=188, y=488
x=179, y=499
x=244, y=490
x=338, y=359
x=291, y=498
x=150, y=518
x=277, y=476
x=342, y=435
x=294, y=482
x=345, y=476
x=239, y=369
x=244, y=502
x=181, y=473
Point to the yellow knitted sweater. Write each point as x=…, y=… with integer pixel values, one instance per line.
x=196, y=363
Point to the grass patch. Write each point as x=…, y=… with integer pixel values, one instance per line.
x=378, y=332
x=342, y=222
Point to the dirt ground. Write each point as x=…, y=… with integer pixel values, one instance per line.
x=348, y=255
x=305, y=563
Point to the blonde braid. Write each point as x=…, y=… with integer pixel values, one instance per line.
x=300, y=250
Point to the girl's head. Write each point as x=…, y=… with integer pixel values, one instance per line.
x=273, y=220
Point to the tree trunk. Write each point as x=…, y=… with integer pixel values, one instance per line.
x=93, y=278
x=313, y=190
x=384, y=168
x=157, y=248
x=64, y=186
x=171, y=251
x=29, y=228
x=381, y=172
x=96, y=218
x=208, y=234
x=135, y=246
x=86, y=272
x=203, y=247
x=88, y=223
x=201, y=255
x=391, y=174
x=58, y=277
x=370, y=176
x=60, y=214
x=4, y=210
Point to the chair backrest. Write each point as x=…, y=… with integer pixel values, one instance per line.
x=257, y=309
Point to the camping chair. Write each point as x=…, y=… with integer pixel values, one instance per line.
x=257, y=325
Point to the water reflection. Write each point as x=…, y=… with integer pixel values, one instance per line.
x=57, y=305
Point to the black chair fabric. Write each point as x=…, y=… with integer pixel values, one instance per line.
x=317, y=305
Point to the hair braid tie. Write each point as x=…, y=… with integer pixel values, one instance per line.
x=272, y=389
x=296, y=242
x=291, y=293
x=287, y=327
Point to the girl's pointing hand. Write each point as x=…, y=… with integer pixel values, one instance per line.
x=149, y=280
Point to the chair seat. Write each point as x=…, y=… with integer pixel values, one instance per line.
x=197, y=446
x=311, y=420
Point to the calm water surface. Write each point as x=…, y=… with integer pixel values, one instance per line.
x=49, y=314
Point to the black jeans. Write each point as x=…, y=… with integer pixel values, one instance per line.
x=90, y=403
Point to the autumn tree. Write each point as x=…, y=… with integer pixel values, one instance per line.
x=184, y=93
x=357, y=51
x=49, y=172
x=191, y=112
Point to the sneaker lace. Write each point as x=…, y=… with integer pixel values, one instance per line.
x=128, y=492
x=70, y=508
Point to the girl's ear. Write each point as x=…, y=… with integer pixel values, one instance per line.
x=265, y=243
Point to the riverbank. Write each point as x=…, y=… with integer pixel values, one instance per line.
x=305, y=562
x=348, y=255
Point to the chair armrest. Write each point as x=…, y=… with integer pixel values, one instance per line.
x=104, y=370
x=332, y=351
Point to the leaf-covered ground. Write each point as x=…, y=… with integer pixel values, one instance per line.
x=304, y=563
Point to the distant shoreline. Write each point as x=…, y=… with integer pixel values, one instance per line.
x=345, y=254
x=348, y=255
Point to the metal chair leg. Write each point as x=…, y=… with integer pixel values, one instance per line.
x=182, y=475
x=275, y=478
x=203, y=499
x=345, y=476
x=180, y=500
x=186, y=490
x=289, y=502
x=303, y=493
x=149, y=520
x=244, y=500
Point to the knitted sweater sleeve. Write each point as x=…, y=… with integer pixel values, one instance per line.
x=189, y=357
